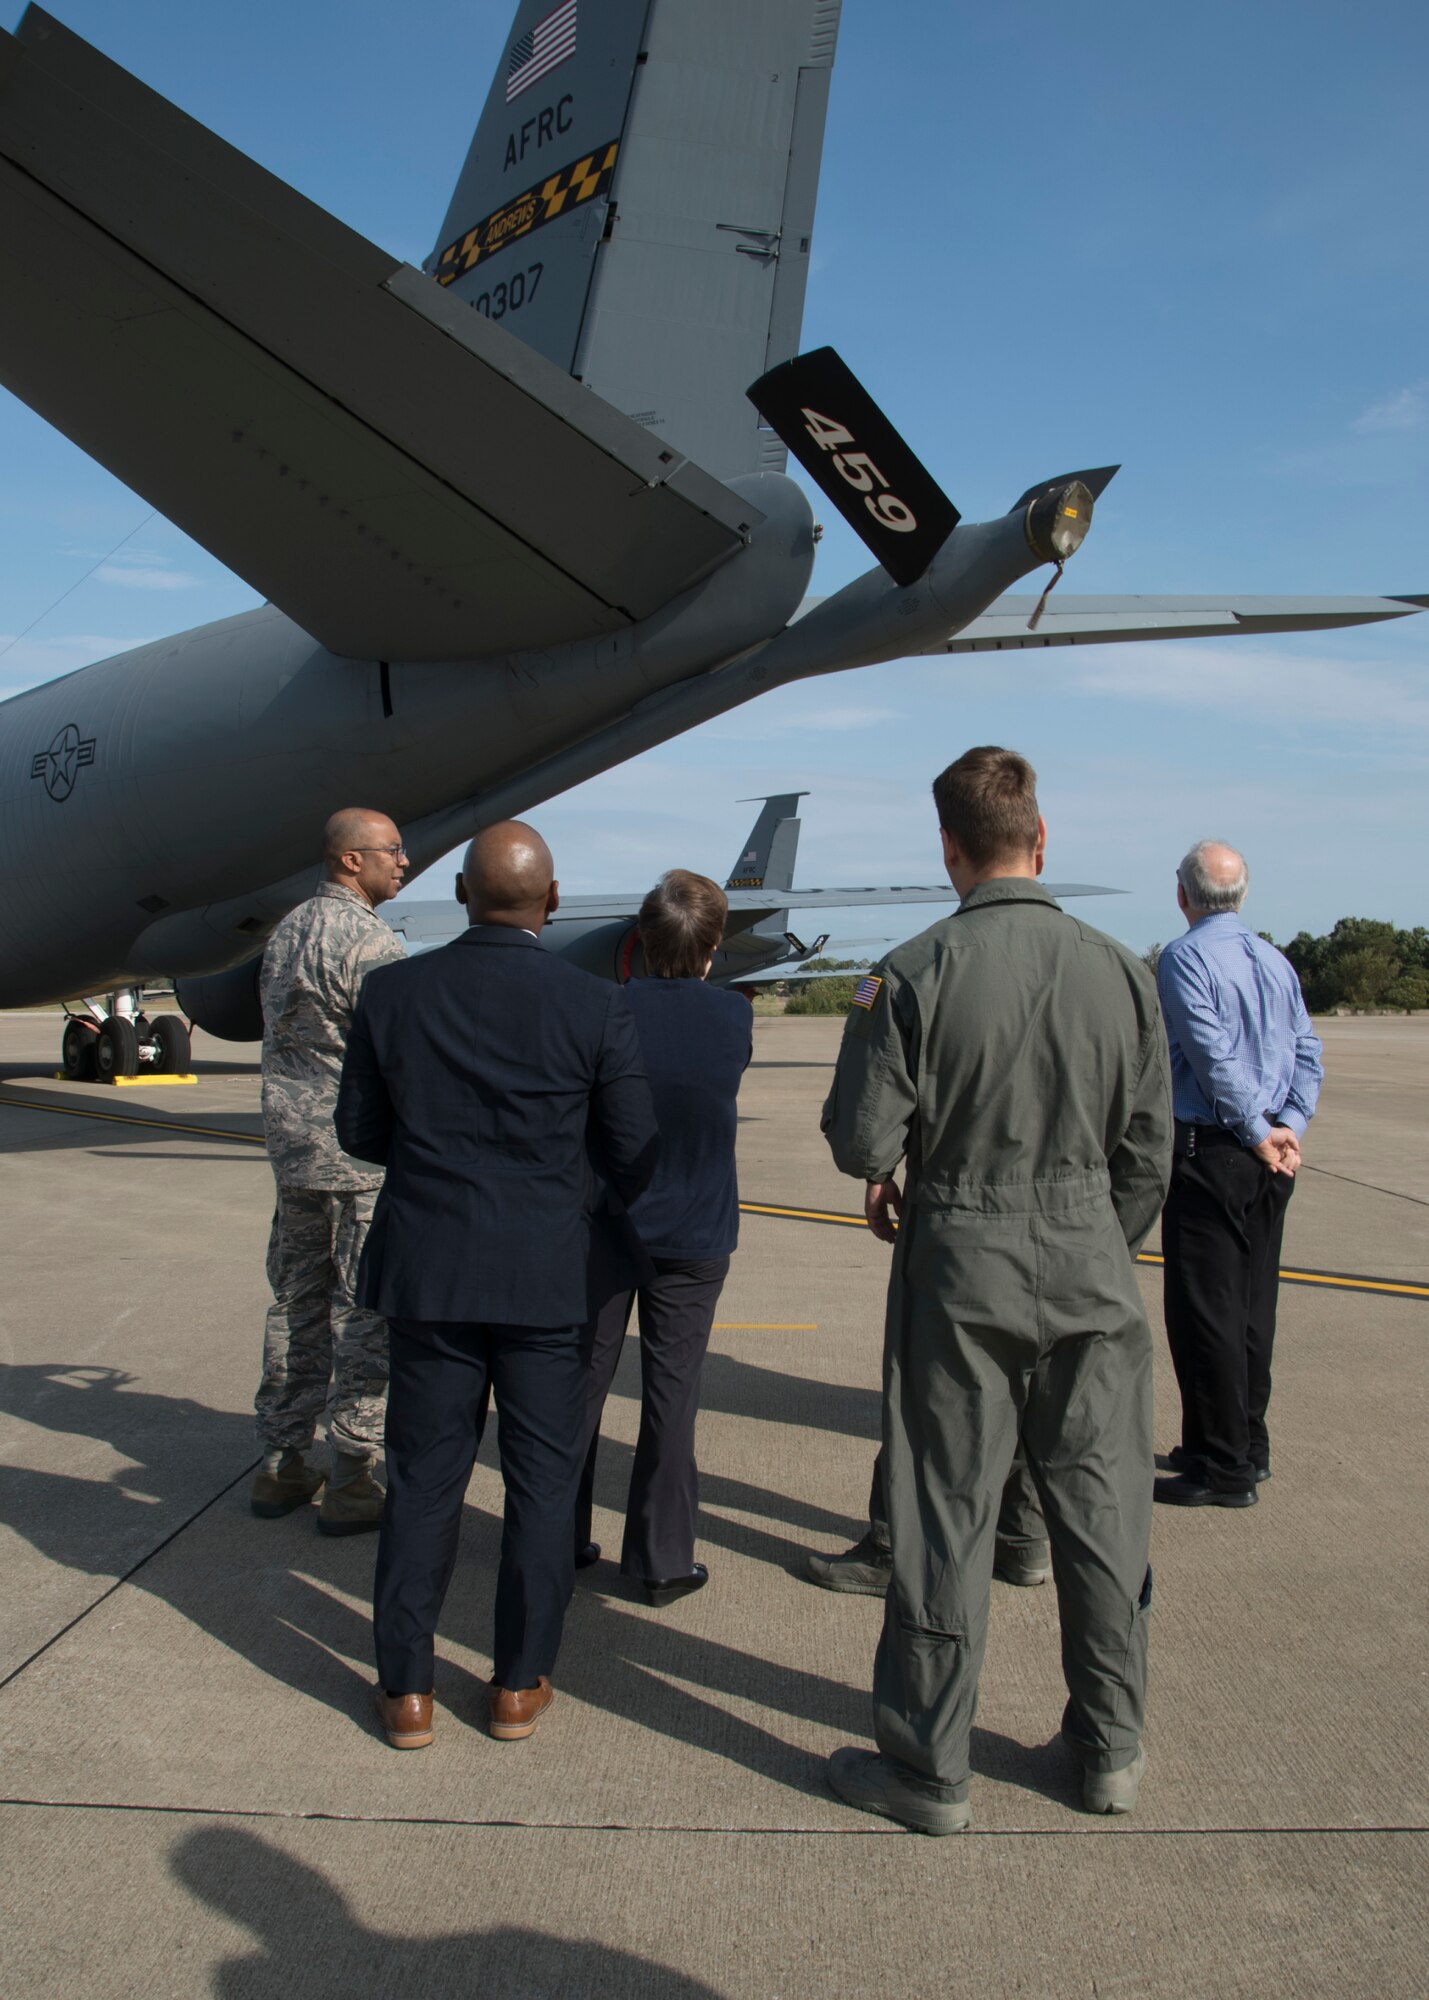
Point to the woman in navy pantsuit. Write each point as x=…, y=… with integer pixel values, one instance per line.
x=696, y=1042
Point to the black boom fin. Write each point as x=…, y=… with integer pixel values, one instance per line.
x=858, y=460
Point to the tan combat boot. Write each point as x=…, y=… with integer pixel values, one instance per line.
x=353, y=1501
x=282, y=1482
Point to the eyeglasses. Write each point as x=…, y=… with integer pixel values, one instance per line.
x=396, y=850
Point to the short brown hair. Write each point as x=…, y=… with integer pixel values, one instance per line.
x=681, y=922
x=987, y=801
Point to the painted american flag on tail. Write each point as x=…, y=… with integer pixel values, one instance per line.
x=541, y=49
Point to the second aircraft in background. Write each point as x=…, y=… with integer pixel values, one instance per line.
x=600, y=934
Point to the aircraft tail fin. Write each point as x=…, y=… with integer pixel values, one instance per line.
x=766, y=861
x=638, y=204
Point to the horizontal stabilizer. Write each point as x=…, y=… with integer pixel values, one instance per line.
x=401, y=477
x=857, y=460
x=813, y=899
x=766, y=902
x=430, y=922
x=1099, y=621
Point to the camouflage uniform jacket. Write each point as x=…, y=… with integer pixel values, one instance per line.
x=313, y=971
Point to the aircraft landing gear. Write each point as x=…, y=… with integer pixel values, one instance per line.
x=77, y=1049
x=117, y=1039
x=173, y=1044
x=116, y=1049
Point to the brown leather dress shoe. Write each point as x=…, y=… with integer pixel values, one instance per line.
x=406, y=1718
x=516, y=1711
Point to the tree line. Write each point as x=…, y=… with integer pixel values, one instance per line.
x=1360, y=963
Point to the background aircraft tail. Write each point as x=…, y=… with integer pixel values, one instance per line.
x=766, y=860
x=638, y=204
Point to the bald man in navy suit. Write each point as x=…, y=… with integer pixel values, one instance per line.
x=504, y=1092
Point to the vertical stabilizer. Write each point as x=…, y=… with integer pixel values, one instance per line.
x=766, y=861
x=534, y=197
x=638, y=204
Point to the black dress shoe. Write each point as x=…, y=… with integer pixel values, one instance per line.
x=587, y=1554
x=1178, y=1459
x=1262, y=1473
x=1184, y=1492
x=665, y=1589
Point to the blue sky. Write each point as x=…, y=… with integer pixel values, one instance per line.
x=1190, y=240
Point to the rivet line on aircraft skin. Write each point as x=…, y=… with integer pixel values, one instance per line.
x=1342, y=1281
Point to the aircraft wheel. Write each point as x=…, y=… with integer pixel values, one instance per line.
x=173, y=1043
x=77, y=1051
x=116, y=1049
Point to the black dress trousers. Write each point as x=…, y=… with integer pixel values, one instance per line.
x=677, y=1309
x=1221, y=1233
x=443, y=1374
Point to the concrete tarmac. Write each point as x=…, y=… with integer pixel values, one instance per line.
x=195, y=1799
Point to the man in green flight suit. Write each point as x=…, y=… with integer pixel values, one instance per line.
x=1013, y=1060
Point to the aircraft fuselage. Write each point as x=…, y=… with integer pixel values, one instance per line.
x=161, y=810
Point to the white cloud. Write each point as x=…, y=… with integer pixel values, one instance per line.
x=760, y=721
x=136, y=568
x=30, y=661
x=1406, y=410
x=1294, y=690
x=144, y=576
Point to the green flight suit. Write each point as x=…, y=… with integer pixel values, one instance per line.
x=1014, y=1061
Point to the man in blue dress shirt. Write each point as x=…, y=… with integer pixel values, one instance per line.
x=1245, y=1072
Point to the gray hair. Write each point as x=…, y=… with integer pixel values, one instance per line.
x=1213, y=887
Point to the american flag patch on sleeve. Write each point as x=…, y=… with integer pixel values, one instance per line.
x=867, y=990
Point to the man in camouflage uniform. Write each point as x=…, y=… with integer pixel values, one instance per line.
x=1014, y=1060
x=313, y=971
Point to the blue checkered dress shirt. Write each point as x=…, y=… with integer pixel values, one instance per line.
x=1243, y=1053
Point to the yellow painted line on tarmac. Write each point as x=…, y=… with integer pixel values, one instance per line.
x=801, y=1214
x=1336, y=1281
x=1344, y=1281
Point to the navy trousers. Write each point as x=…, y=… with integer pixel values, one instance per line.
x=443, y=1374
x=677, y=1309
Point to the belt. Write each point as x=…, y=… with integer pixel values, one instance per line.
x=1192, y=1139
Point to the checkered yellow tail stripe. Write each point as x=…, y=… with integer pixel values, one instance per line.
x=556, y=195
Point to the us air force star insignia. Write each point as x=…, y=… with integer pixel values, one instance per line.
x=61, y=763
x=867, y=990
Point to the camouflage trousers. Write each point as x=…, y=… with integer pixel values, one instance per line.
x=314, y=1334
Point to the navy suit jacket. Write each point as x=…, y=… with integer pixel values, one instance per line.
x=505, y=1094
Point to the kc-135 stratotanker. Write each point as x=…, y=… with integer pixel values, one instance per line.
x=517, y=516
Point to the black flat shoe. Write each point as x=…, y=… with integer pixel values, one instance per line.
x=1185, y=1492
x=587, y=1554
x=665, y=1589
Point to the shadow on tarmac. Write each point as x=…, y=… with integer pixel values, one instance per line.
x=309, y=1939
x=265, y=1589
x=745, y=1389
